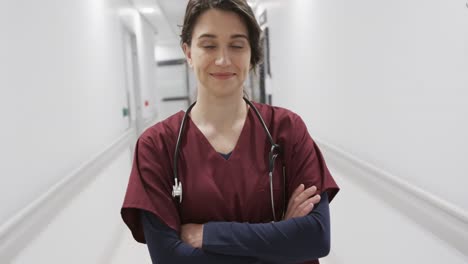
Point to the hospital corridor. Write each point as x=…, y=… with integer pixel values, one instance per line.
x=381, y=87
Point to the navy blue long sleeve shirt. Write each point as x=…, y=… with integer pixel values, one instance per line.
x=289, y=241
x=165, y=246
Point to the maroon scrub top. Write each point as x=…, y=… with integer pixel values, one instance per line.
x=216, y=189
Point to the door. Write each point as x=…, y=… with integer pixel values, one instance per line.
x=173, y=86
x=135, y=109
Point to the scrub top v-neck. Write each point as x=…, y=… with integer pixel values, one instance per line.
x=209, y=148
x=210, y=181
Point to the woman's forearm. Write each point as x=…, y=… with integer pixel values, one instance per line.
x=166, y=247
x=292, y=240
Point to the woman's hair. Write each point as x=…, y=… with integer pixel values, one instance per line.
x=196, y=7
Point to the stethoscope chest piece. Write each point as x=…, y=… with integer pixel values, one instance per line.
x=177, y=190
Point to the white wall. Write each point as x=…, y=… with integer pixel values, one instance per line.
x=62, y=93
x=384, y=81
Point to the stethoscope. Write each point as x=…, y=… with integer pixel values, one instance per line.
x=274, y=152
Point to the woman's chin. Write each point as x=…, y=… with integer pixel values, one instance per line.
x=225, y=91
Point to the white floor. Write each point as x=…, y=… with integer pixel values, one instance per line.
x=130, y=251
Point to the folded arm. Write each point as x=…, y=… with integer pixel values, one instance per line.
x=293, y=240
x=165, y=246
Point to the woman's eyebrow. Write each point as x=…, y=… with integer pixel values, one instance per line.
x=239, y=36
x=207, y=36
x=214, y=36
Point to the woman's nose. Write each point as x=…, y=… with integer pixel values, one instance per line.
x=223, y=58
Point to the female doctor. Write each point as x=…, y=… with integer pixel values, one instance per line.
x=229, y=180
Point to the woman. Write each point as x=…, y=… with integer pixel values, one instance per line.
x=200, y=189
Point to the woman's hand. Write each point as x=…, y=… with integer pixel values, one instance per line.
x=192, y=234
x=301, y=202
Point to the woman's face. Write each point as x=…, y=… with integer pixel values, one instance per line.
x=220, y=52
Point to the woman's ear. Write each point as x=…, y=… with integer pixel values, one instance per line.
x=188, y=54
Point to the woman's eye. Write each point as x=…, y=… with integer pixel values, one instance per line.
x=214, y=47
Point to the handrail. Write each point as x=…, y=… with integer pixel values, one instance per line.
x=443, y=205
x=446, y=220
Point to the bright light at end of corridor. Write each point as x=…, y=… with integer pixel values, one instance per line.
x=148, y=10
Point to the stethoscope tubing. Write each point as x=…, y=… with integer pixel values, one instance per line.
x=275, y=149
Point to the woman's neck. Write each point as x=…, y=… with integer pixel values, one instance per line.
x=219, y=111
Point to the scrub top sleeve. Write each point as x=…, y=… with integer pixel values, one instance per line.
x=150, y=188
x=307, y=163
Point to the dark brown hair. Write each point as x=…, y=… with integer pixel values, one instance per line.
x=196, y=7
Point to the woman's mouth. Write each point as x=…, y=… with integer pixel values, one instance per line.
x=223, y=75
